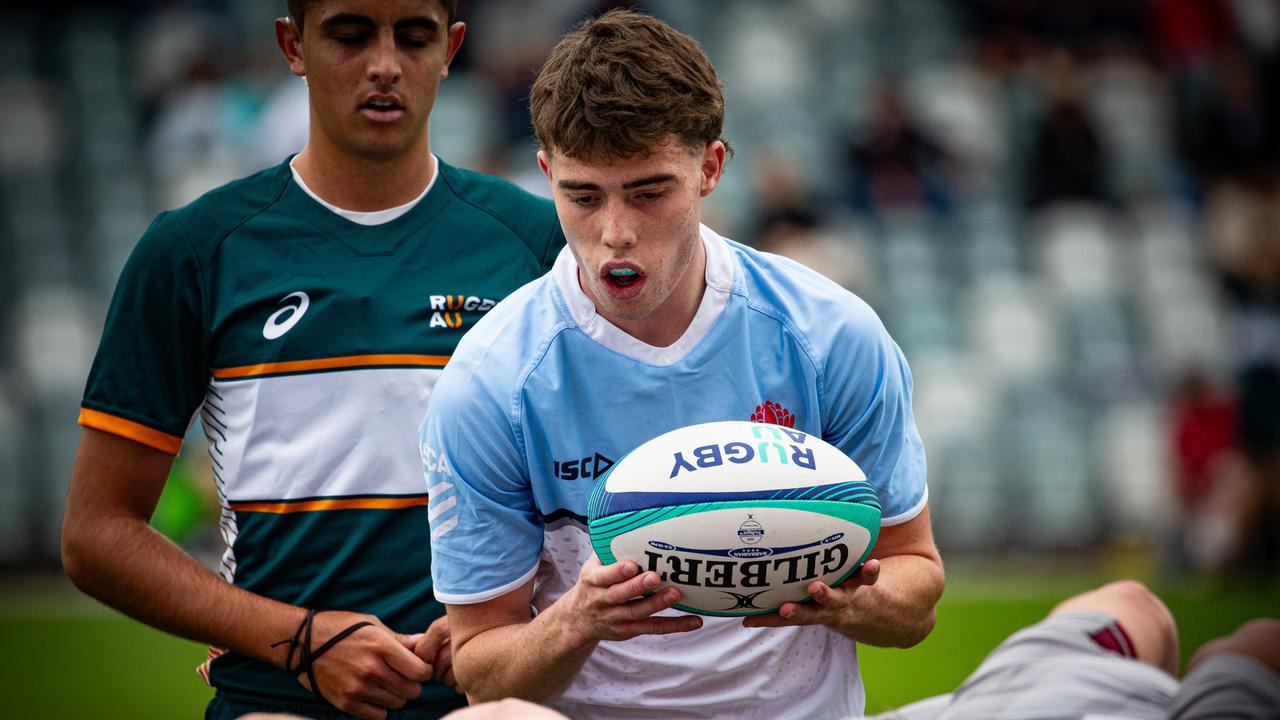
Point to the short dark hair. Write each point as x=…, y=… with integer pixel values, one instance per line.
x=621, y=84
x=298, y=10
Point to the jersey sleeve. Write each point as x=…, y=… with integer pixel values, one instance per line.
x=150, y=372
x=485, y=536
x=867, y=412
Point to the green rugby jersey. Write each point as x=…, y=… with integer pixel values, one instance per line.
x=308, y=345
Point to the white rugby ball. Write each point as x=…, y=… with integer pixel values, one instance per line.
x=740, y=516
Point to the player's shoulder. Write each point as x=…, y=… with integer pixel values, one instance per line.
x=196, y=229
x=808, y=302
x=511, y=339
x=530, y=217
x=210, y=218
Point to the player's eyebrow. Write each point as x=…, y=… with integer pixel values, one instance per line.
x=347, y=19
x=417, y=21
x=576, y=185
x=651, y=180
x=629, y=185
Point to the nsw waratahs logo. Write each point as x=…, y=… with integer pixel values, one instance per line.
x=774, y=414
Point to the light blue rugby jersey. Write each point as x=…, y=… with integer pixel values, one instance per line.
x=543, y=395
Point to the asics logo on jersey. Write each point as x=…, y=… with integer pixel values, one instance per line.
x=291, y=314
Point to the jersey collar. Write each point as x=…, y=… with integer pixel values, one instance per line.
x=596, y=327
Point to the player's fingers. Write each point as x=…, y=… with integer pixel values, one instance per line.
x=608, y=575
x=769, y=620
x=443, y=663
x=364, y=710
x=868, y=574
x=787, y=615
x=644, y=607
x=827, y=596
x=449, y=679
x=390, y=683
x=430, y=642
x=388, y=698
x=660, y=626
x=405, y=663
x=623, y=592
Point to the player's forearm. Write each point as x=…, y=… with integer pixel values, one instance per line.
x=129, y=566
x=899, y=610
x=533, y=661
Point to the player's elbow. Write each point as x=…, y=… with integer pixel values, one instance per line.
x=82, y=543
x=915, y=632
x=76, y=551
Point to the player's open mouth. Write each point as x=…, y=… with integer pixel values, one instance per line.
x=381, y=109
x=622, y=281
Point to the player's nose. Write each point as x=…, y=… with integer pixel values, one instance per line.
x=384, y=62
x=617, y=231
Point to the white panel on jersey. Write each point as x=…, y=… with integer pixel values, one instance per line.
x=303, y=436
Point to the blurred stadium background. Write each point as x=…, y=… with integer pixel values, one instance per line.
x=1067, y=213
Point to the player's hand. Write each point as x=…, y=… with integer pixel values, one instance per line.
x=435, y=647
x=368, y=672
x=831, y=606
x=607, y=603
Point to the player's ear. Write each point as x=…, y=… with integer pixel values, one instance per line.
x=289, y=38
x=544, y=164
x=456, y=32
x=712, y=166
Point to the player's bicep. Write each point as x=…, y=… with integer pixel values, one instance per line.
x=466, y=622
x=913, y=537
x=115, y=476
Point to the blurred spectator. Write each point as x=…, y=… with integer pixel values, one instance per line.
x=1244, y=225
x=1204, y=443
x=1228, y=133
x=893, y=162
x=1067, y=161
x=784, y=206
x=1204, y=434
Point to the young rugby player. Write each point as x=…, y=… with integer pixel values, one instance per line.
x=305, y=313
x=649, y=322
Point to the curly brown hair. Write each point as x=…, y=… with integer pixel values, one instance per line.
x=298, y=10
x=621, y=84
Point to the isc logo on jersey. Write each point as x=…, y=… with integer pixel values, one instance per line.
x=448, y=309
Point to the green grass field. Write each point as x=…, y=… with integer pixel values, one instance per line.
x=66, y=657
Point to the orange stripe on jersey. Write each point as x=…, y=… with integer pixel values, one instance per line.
x=136, y=432
x=373, y=503
x=353, y=361
x=203, y=668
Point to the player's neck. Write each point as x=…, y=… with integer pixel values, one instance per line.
x=364, y=184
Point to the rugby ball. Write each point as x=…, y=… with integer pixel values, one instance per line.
x=740, y=516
